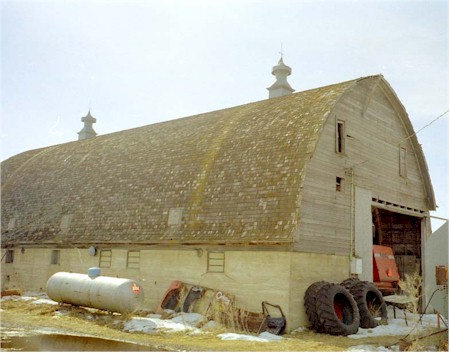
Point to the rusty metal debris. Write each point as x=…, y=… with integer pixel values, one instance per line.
x=220, y=306
x=8, y=292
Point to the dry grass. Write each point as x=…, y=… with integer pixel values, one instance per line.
x=29, y=316
x=412, y=286
x=426, y=343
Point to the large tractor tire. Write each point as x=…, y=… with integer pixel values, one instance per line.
x=310, y=303
x=370, y=303
x=336, y=310
x=349, y=283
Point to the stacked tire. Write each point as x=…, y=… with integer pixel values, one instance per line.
x=331, y=309
x=371, y=304
x=340, y=309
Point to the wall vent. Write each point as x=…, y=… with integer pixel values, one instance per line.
x=216, y=261
x=105, y=258
x=394, y=207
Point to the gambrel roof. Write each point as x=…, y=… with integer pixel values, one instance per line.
x=228, y=177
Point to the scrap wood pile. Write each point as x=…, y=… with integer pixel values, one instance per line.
x=221, y=307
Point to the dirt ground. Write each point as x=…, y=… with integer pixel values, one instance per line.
x=29, y=317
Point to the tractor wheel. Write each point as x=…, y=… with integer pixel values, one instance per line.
x=310, y=302
x=370, y=303
x=337, y=311
x=349, y=283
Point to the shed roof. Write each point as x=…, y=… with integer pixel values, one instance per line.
x=228, y=176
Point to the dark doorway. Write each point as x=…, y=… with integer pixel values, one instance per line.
x=403, y=234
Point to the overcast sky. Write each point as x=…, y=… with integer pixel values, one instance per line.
x=135, y=63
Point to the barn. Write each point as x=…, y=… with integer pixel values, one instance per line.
x=260, y=200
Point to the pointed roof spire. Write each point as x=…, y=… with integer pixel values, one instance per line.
x=87, y=131
x=280, y=87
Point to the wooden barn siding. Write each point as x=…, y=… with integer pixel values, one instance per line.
x=372, y=139
x=381, y=173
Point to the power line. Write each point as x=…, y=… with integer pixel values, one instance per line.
x=432, y=122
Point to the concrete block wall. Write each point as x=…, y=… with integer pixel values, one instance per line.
x=251, y=276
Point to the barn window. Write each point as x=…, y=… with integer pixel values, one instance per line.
x=216, y=261
x=55, y=257
x=133, y=259
x=9, y=256
x=105, y=258
x=339, y=184
x=340, y=136
x=402, y=162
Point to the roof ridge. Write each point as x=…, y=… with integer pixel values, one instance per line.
x=216, y=111
x=239, y=106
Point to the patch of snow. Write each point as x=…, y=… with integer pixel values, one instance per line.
x=368, y=348
x=45, y=301
x=270, y=336
x=27, y=296
x=239, y=337
x=154, y=316
x=140, y=325
x=263, y=337
x=188, y=319
x=210, y=325
x=299, y=329
x=398, y=327
x=148, y=325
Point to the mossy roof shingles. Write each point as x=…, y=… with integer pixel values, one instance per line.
x=234, y=174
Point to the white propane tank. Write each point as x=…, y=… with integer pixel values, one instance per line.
x=101, y=292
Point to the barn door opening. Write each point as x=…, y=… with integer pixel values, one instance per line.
x=402, y=233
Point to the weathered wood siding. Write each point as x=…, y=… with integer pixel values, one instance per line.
x=374, y=133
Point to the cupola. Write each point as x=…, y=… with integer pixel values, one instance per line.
x=87, y=131
x=280, y=87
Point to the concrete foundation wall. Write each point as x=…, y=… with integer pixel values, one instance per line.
x=252, y=276
x=307, y=268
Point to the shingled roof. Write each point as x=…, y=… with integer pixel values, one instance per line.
x=228, y=176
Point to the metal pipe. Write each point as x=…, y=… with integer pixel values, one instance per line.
x=352, y=216
x=436, y=217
